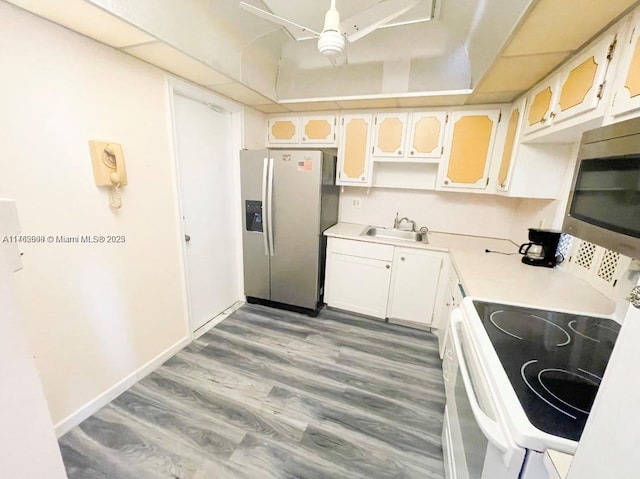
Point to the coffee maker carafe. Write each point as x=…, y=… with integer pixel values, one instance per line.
x=541, y=249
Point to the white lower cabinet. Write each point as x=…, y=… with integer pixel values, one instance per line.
x=358, y=276
x=360, y=285
x=384, y=281
x=415, y=279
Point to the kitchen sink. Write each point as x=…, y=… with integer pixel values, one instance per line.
x=379, y=232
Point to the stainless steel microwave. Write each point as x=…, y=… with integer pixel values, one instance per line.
x=604, y=202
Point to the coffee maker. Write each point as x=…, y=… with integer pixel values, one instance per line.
x=541, y=249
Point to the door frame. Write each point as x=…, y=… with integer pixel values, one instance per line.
x=177, y=86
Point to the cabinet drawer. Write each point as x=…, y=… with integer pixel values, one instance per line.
x=361, y=249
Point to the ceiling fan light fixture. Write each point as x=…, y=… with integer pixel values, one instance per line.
x=331, y=43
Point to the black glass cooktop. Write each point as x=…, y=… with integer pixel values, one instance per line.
x=555, y=361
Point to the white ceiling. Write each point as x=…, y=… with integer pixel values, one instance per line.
x=472, y=51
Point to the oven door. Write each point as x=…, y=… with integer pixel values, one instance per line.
x=476, y=442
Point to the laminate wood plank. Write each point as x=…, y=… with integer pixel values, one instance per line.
x=309, y=374
x=274, y=394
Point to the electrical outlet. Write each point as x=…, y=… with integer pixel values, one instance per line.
x=355, y=203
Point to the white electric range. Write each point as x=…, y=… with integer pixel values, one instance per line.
x=518, y=381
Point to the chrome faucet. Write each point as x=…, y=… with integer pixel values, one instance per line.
x=397, y=222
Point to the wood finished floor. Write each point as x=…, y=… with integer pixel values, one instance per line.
x=274, y=394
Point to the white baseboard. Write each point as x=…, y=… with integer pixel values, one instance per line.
x=75, y=418
x=217, y=319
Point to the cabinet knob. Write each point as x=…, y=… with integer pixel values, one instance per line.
x=412, y=153
x=399, y=152
x=387, y=266
x=446, y=182
x=401, y=258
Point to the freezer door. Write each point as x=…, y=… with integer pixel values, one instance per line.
x=295, y=222
x=253, y=170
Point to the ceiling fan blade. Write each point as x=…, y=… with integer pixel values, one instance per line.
x=368, y=20
x=298, y=32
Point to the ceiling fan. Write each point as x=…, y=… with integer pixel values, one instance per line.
x=331, y=40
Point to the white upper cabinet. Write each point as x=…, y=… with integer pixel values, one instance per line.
x=581, y=82
x=626, y=95
x=529, y=170
x=426, y=134
x=354, y=160
x=541, y=105
x=319, y=130
x=302, y=131
x=390, y=134
x=510, y=146
x=409, y=136
x=469, y=143
x=283, y=130
x=570, y=101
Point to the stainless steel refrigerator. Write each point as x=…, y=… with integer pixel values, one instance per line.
x=289, y=198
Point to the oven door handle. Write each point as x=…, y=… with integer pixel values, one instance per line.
x=491, y=429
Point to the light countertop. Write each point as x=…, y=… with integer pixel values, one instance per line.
x=498, y=277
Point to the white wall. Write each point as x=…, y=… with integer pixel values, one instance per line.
x=28, y=445
x=255, y=129
x=472, y=214
x=461, y=213
x=95, y=313
x=531, y=213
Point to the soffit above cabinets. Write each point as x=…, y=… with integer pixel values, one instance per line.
x=484, y=56
x=172, y=60
x=84, y=18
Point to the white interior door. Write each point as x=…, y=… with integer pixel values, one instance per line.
x=208, y=189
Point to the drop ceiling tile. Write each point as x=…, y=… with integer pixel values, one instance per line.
x=240, y=93
x=519, y=73
x=270, y=108
x=555, y=26
x=173, y=60
x=312, y=106
x=87, y=19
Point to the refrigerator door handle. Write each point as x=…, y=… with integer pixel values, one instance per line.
x=270, y=209
x=265, y=197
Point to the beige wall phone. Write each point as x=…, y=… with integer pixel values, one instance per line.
x=109, y=169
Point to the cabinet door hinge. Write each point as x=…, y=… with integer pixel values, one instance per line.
x=446, y=120
x=613, y=102
x=499, y=117
x=600, y=90
x=339, y=175
x=612, y=48
x=372, y=148
x=342, y=121
x=487, y=182
x=375, y=120
x=442, y=151
x=335, y=121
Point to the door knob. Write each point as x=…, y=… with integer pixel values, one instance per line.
x=187, y=238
